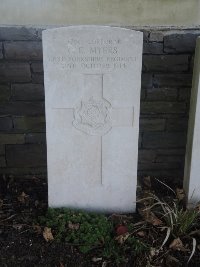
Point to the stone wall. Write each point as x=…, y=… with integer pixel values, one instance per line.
x=166, y=85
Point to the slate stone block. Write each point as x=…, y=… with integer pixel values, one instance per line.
x=29, y=124
x=182, y=42
x=161, y=94
x=146, y=80
x=2, y=149
x=23, y=50
x=177, y=124
x=172, y=80
x=166, y=63
x=29, y=155
x=147, y=124
x=15, y=72
x=164, y=140
x=38, y=78
x=18, y=33
x=146, y=156
x=184, y=94
x=153, y=48
x=37, y=67
x=35, y=138
x=156, y=36
x=1, y=50
x=5, y=93
x=27, y=92
x=6, y=124
x=22, y=108
x=162, y=107
x=2, y=161
x=11, y=138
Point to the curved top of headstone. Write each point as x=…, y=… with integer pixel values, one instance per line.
x=91, y=48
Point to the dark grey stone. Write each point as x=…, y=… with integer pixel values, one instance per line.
x=9, y=138
x=37, y=67
x=172, y=80
x=35, y=138
x=1, y=50
x=164, y=140
x=28, y=92
x=184, y=94
x=162, y=107
x=146, y=80
x=147, y=124
x=146, y=156
x=177, y=124
x=22, y=108
x=2, y=161
x=29, y=124
x=38, y=78
x=15, y=72
x=156, y=36
x=166, y=63
x=6, y=124
x=161, y=94
x=153, y=48
x=28, y=155
x=180, y=42
x=5, y=93
x=17, y=33
x=23, y=50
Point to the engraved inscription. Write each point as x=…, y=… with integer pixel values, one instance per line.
x=93, y=116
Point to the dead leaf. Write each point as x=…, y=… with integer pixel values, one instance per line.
x=150, y=217
x=37, y=229
x=180, y=194
x=73, y=226
x=23, y=197
x=122, y=238
x=95, y=259
x=177, y=244
x=47, y=234
x=141, y=234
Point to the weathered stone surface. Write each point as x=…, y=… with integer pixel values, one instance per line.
x=2, y=161
x=168, y=175
x=28, y=172
x=173, y=80
x=11, y=138
x=38, y=78
x=158, y=165
x=29, y=124
x=23, y=50
x=162, y=107
x=5, y=124
x=171, y=158
x=177, y=124
x=1, y=50
x=161, y=94
x=156, y=36
x=22, y=108
x=2, y=149
x=27, y=92
x=164, y=140
x=17, y=34
x=15, y=72
x=147, y=124
x=35, y=138
x=92, y=104
x=181, y=42
x=28, y=155
x=192, y=166
x=146, y=156
x=153, y=48
x=37, y=67
x=166, y=63
x=184, y=94
x=146, y=80
x=5, y=93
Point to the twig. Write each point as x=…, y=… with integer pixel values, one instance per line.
x=8, y=218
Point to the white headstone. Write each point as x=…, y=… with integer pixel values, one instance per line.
x=92, y=96
x=192, y=159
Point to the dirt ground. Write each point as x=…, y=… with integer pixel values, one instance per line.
x=21, y=202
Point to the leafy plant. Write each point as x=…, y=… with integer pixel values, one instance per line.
x=90, y=231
